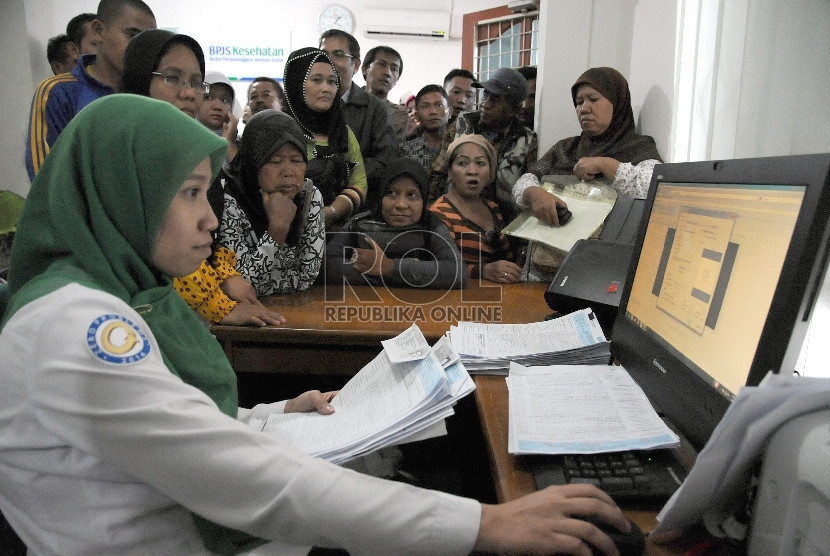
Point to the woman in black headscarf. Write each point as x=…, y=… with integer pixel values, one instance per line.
x=607, y=150
x=335, y=165
x=273, y=218
x=400, y=242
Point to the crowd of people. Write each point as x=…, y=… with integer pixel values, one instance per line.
x=138, y=233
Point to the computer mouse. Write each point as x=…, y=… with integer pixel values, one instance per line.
x=563, y=214
x=632, y=543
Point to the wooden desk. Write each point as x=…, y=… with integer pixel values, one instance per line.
x=336, y=331
x=511, y=474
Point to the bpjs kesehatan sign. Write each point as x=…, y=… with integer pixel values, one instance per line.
x=242, y=55
x=244, y=61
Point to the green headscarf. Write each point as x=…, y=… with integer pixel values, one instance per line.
x=92, y=216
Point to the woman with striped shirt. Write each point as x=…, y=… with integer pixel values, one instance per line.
x=475, y=222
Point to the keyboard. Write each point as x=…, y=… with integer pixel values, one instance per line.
x=643, y=475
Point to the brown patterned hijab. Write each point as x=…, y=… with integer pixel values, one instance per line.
x=619, y=141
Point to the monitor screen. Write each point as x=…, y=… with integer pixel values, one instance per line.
x=729, y=259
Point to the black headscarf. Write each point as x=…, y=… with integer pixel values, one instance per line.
x=142, y=56
x=329, y=168
x=264, y=134
x=619, y=141
x=405, y=166
x=329, y=123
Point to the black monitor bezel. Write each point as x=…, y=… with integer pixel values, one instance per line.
x=685, y=399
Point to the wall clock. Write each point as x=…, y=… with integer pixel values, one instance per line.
x=336, y=16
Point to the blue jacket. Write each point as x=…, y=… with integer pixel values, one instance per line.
x=56, y=101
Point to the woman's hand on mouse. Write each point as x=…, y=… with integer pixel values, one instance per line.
x=548, y=521
x=543, y=204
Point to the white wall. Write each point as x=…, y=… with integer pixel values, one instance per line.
x=16, y=94
x=635, y=37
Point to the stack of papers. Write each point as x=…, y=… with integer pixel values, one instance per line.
x=407, y=389
x=574, y=339
x=579, y=409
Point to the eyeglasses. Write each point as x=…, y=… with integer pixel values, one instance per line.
x=180, y=83
x=340, y=54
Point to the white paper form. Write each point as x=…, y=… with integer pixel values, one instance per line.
x=575, y=330
x=458, y=379
x=409, y=345
x=580, y=409
x=380, y=394
x=386, y=403
x=444, y=352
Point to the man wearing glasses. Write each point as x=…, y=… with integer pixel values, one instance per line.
x=58, y=98
x=365, y=114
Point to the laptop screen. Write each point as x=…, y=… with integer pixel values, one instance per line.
x=728, y=258
x=711, y=259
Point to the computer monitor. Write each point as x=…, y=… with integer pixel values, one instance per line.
x=726, y=269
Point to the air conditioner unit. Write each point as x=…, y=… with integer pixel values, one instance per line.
x=406, y=24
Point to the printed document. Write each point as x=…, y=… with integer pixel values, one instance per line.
x=384, y=404
x=580, y=409
x=576, y=338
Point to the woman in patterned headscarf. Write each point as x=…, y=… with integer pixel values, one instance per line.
x=273, y=218
x=335, y=165
x=607, y=150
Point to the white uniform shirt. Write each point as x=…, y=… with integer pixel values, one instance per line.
x=103, y=452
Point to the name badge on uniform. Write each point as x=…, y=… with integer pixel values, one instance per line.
x=116, y=339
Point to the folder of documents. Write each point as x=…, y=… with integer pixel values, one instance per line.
x=391, y=400
x=576, y=338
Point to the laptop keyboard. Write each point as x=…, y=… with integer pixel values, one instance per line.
x=647, y=475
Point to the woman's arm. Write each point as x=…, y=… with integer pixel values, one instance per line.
x=632, y=180
x=202, y=292
x=447, y=271
x=358, y=186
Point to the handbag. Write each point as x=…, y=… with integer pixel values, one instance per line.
x=396, y=243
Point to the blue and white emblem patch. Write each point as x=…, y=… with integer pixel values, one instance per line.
x=116, y=339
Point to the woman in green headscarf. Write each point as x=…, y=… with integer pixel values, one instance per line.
x=118, y=409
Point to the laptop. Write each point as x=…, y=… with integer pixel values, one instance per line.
x=723, y=279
